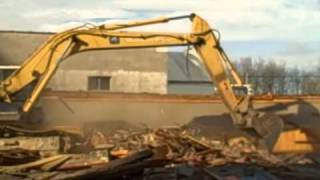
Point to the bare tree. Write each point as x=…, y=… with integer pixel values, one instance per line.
x=275, y=77
x=294, y=81
x=246, y=68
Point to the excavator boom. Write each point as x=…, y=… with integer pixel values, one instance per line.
x=43, y=63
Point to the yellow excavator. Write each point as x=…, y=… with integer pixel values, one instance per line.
x=37, y=70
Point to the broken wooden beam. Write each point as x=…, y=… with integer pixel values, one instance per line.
x=105, y=169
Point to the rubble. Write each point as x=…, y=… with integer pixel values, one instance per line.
x=46, y=145
x=166, y=153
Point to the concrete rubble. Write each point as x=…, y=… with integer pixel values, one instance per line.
x=150, y=154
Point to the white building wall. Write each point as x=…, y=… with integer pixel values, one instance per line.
x=121, y=81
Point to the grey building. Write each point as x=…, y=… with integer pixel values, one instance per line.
x=135, y=70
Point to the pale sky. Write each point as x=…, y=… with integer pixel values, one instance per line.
x=284, y=29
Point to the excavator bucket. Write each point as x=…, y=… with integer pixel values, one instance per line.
x=268, y=127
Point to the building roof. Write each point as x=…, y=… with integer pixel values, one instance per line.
x=26, y=32
x=16, y=47
x=186, y=69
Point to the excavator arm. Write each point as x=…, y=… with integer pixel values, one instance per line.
x=43, y=63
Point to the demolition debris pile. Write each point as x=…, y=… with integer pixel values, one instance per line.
x=168, y=153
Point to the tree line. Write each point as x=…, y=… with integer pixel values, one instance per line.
x=271, y=76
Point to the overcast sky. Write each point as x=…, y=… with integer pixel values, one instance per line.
x=286, y=29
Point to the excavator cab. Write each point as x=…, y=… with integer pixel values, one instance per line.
x=242, y=90
x=9, y=112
